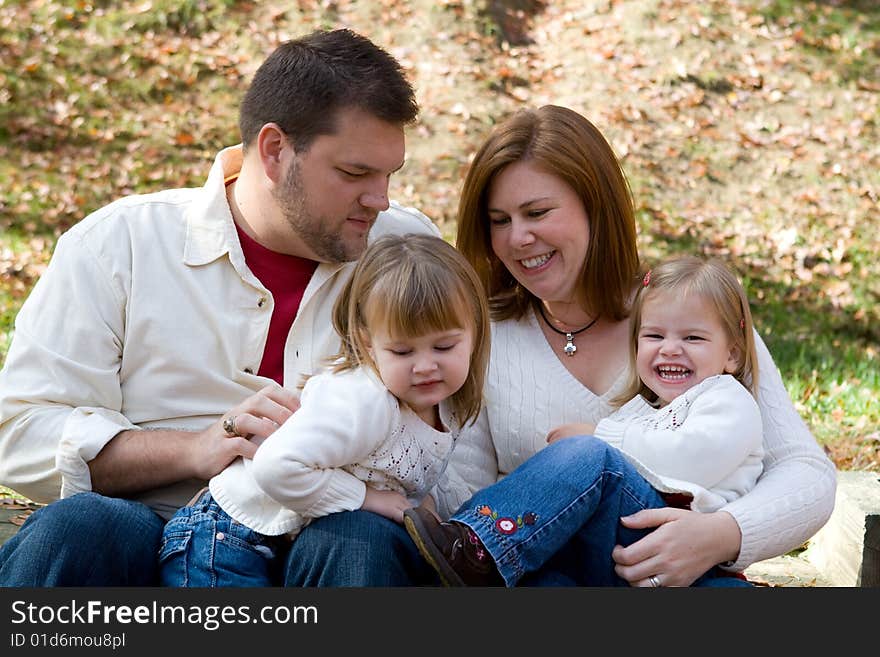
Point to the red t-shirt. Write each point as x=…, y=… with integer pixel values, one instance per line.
x=286, y=277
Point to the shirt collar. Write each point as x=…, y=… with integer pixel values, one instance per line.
x=210, y=230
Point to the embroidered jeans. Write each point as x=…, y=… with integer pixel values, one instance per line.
x=555, y=520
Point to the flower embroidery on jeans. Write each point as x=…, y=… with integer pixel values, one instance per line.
x=507, y=525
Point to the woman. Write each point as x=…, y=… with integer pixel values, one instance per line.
x=546, y=218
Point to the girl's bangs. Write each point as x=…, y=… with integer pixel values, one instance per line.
x=420, y=307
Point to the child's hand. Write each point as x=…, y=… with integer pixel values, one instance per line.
x=571, y=429
x=388, y=503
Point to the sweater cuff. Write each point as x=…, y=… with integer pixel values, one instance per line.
x=343, y=492
x=611, y=431
x=748, y=550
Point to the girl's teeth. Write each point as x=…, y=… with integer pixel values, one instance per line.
x=675, y=373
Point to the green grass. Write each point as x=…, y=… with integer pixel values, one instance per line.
x=817, y=303
x=828, y=354
x=830, y=362
x=844, y=33
x=9, y=493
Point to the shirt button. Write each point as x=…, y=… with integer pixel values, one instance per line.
x=220, y=536
x=248, y=370
x=261, y=302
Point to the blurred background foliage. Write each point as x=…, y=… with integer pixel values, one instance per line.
x=748, y=130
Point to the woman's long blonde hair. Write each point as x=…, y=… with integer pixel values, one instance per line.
x=714, y=282
x=412, y=285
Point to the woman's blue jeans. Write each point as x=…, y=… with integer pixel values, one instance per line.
x=356, y=548
x=84, y=540
x=556, y=519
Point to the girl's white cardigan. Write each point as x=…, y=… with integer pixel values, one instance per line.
x=348, y=432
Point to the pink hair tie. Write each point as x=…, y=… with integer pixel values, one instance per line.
x=647, y=279
x=742, y=322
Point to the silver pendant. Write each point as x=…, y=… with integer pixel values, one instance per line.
x=569, y=348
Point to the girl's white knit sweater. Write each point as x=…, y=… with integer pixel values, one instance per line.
x=706, y=442
x=348, y=432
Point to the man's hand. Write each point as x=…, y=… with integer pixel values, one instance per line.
x=684, y=546
x=136, y=461
x=388, y=503
x=255, y=419
x=571, y=429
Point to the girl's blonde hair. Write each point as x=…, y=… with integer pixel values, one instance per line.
x=411, y=285
x=714, y=282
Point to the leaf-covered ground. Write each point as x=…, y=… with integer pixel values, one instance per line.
x=748, y=129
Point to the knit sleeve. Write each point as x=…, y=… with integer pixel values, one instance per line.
x=342, y=419
x=794, y=496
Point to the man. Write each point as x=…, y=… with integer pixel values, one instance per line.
x=153, y=350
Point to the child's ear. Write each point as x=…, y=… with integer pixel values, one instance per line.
x=733, y=361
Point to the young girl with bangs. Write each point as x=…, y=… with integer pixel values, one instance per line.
x=687, y=434
x=373, y=432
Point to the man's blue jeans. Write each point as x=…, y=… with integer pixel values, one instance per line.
x=556, y=519
x=84, y=540
x=356, y=548
x=93, y=540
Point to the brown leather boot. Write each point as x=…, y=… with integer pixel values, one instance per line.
x=452, y=549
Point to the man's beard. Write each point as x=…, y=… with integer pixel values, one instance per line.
x=327, y=245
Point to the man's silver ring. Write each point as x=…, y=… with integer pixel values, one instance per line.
x=655, y=581
x=229, y=426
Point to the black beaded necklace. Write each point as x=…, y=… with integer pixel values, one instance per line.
x=569, y=347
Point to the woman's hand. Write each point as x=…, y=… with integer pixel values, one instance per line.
x=684, y=545
x=569, y=430
x=388, y=503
